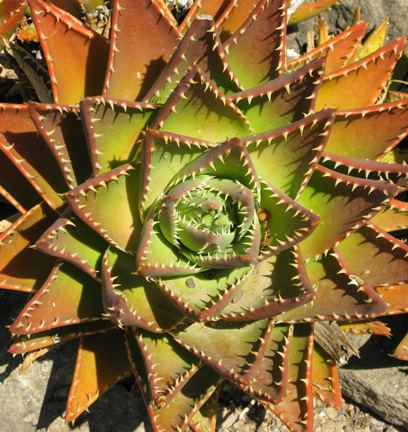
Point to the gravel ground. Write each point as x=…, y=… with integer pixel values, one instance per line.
x=352, y=418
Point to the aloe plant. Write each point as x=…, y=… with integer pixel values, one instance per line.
x=192, y=214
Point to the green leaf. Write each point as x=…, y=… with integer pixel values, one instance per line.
x=69, y=296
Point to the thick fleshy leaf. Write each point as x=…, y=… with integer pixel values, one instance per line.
x=366, y=169
x=204, y=420
x=201, y=45
x=340, y=294
x=163, y=150
x=360, y=84
x=240, y=344
x=132, y=300
x=270, y=383
x=374, y=41
x=192, y=396
x=67, y=297
x=22, y=268
x=84, y=55
x=52, y=338
x=283, y=100
x=296, y=409
x=392, y=218
x=114, y=130
x=325, y=378
x=401, y=352
x=72, y=240
x=214, y=8
x=396, y=297
x=259, y=45
x=276, y=284
x=352, y=130
x=21, y=144
x=285, y=223
x=352, y=200
x=337, y=50
x=60, y=129
x=101, y=362
x=157, y=257
x=11, y=13
x=286, y=157
x=168, y=365
x=204, y=295
x=197, y=108
x=150, y=40
x=375, y=256
x=311, y=9
x=366, y=327
x=99, y=201
x=186, y=402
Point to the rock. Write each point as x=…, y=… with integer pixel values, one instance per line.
x=377, y=380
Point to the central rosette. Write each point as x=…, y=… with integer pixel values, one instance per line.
x=209, y=218
x=212, y=229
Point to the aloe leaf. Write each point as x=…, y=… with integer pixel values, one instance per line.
x=85, y=55
x=168, y=364
x=151, y=38
x=63, y=133
x=283, y=100
x=352, y=131
x=98, y=202
x=114, y=130
x=374, y=41
x=72, y=240
x=157, y=257
x=192, y=396
x=285, y=223
x=361, y=83
x=204, y=420
x=393, y=217
x=57, y=336
x=271, y=380
x=67, y=297
x=350, y=297
x=16, y=251
x=296, y=408
x=130, y=299
x=234, y=357
x=14, y=186
x=276, y=284
x=259, y=45
x=401, y=352
x=325, y=378
x=366, y=327
x=392, y=173
x=204, y=295
x=233, y=17
x=322, y=31
x=163, y=150
x=352, y=200
x=101, y=362
x=309, y=10
x=395, y=296
x=381, y=258
x=337, y=50
x=21, y=144
x=200, y=46
x=197, y=108
x=286, y=157
x=213, y=8
x=11, y=13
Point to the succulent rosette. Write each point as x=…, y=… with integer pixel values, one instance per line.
x=189, y=213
